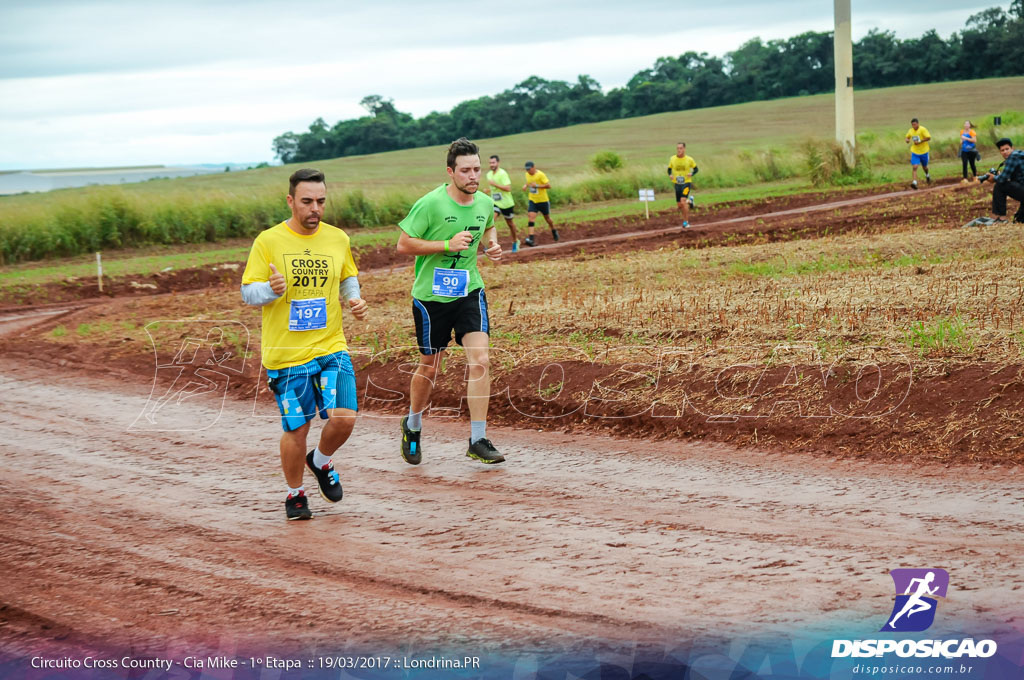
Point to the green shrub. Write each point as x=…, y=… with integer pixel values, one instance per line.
x=826, y=165
x=606, y=161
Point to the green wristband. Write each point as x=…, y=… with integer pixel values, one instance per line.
x=446, y=245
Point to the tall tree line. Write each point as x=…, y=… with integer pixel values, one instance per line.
x=991, y=44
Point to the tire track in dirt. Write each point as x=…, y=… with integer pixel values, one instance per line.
x=701, y=227
x=162, y=538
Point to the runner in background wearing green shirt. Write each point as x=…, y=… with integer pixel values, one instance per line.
x=501, y=193
x=443, y=230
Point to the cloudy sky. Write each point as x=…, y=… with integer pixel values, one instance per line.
x=87, y=84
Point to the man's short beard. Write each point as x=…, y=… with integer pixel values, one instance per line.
x=462, y=189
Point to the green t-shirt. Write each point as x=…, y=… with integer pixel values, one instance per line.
x=436, y=217
x=502, y=199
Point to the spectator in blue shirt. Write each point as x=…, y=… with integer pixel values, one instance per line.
x=969, y=148
x=1008, y=180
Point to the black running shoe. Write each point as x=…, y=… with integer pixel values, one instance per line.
x=326, y=479
x=297, y=507
x=483, y=450
x=529, y=241
x=928, y=178
x=554, y=235
x=411, y=452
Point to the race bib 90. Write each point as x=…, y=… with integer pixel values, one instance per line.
x=450, y=282
x=308, y=315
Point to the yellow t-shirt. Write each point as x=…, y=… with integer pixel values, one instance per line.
x=313, y=268
x=921, y=132
x=536, y=195
x=681, y=167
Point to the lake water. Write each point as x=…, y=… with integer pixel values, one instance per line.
x=17, y=182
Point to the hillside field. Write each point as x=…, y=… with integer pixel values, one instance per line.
x=746, y=145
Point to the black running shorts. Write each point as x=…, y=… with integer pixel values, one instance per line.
x=544, y=207
x=682, y=191
x=435, y=321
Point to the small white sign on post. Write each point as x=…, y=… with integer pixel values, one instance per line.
x=99, y=270
x=647, y=195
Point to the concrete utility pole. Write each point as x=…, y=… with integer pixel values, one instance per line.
x=843, y=51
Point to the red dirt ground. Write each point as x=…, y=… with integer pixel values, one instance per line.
x=168, y=537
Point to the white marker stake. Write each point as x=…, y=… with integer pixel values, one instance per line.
x=99, y=270
x=647, y=195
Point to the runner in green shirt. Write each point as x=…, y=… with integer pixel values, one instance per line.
x=501, y=192
x=443, y=230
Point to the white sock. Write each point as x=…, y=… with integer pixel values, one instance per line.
x=296, y=492
x=319, y=459
x=478, y=430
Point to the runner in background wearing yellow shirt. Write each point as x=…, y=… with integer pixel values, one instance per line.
x=536, y=188
x=501, y=193
x=682, y=168
x=918, y=138
x=296, y=272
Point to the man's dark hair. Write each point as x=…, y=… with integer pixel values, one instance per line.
x=1005, y=141
x=461, y=147
x=678, y=143
x=914, y=120
x=304, y=175
x=495, y=157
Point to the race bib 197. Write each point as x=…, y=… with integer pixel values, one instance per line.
x=450, y=282
x=308, y=315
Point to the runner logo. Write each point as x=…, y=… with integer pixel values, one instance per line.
x=917, y=593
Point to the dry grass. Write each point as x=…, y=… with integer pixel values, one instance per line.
x=930, y=293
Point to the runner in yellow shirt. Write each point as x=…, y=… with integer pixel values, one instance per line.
x=296, y=272
x=536, y=189
x=681, y=169
x=918, y=138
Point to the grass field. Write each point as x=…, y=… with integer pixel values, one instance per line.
x=737, y=146
x=156, y=258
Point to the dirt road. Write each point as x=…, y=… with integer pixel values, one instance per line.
x=161, y=539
